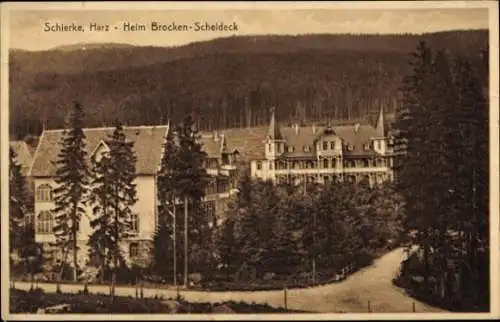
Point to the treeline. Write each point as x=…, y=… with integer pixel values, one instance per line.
x=442, y=143
x=225, y=83
x=297, y=234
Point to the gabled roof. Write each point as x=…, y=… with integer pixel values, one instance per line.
x=216, y=144
x=147, y=140
x=350, y=135
x=24, y=155
x=101, y=146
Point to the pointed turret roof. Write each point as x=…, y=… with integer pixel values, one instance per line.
x=274, y=131
x=380, y=122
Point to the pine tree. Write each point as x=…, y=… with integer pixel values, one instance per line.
x=71, y=179
x=100, y=241
x=17, y=203
x=442, y=127
x=227, y=250
x=410, y=143
x=114, y=194
x=167, y=195
x=191, y=180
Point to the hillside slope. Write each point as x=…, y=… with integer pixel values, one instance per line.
x=226, y=82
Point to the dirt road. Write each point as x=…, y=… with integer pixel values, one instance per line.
x=373, y=283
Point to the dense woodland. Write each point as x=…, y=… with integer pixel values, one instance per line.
x=442, y=142
x=227, y=82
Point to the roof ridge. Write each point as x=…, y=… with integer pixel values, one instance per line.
x=112, y=127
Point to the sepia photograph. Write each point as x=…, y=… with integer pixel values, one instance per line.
x=250, y=160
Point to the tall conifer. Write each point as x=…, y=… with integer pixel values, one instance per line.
x=71, y=179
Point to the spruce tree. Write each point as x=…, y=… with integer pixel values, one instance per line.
x=71, y=179
x=114, y=194
x=443, y=126
x=101, y=240
x=165, y=238
x=191, y=180
x=17, y=203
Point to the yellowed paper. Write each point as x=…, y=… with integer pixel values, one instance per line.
x=69, y=39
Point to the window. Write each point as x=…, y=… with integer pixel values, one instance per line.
x=325, y=163
x=44, y=193
x=259, y=165
x=134, y=223
x=270, y=165
x=269, y=147
x=209, y=208
x=28, y=219
x=133, y=250
x=366, y=163
x=332, y=145
x=44, y=223
x=325, y=145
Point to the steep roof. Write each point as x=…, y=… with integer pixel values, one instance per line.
x=147, y=140
x=274, y=129
x=351, y=135
x=24, y=155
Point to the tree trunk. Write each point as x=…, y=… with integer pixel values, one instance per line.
x=74, y=235
x=174, y=242
x=185, y=241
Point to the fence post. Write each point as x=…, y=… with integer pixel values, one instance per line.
x=136, y=288
x=369, y=306
x=413, y=306
x=286, y=300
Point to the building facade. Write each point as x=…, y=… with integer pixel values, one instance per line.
x=148, y=149
x=345, y=153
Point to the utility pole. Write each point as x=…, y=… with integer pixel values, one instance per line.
x=314, y=249
x=185, y=241
x=174, y=239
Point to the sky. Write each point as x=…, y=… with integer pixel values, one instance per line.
x=26, y=25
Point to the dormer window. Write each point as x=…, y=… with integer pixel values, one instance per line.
x=101, y=149
x=366, y=147
x=325, y=145
x=290, y=149
x=306, y=148
x=350, y=148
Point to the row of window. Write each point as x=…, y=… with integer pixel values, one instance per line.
x=326, y=164
x=217, y=187
x=327, y=145
x=376, y=177
x=45, y=222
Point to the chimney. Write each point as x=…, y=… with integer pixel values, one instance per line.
x=296, y=127
x=215, y=136
x=314, y=128
x=356, y=127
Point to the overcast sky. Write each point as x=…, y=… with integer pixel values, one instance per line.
x=26, y=27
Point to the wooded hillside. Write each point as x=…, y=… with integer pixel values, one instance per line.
x=226, y=82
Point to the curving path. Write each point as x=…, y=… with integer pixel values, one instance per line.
x=373, y=283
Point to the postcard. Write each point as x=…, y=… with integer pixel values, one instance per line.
x=250, y=160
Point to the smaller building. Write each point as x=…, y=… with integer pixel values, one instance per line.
x=148, y=149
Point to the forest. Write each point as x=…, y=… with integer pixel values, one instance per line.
x=226, y=83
